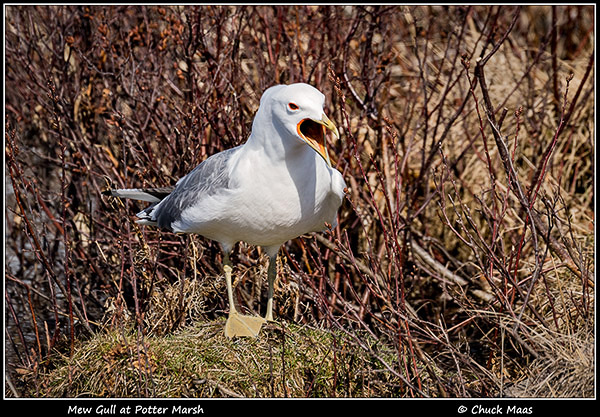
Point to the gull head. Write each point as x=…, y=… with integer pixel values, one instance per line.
x=297, y=111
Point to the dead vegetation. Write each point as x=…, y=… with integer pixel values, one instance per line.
x=462, y=265
x=199, y=361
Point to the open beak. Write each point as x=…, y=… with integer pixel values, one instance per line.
x=313, y=133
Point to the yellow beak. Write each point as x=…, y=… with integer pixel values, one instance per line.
x=313, y=133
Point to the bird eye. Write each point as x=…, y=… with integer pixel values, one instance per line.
x=293, y=106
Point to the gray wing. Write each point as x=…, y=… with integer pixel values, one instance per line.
x=209, y=178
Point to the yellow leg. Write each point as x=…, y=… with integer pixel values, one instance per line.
x=271, y=275
x=238, y=324
x=227, y=268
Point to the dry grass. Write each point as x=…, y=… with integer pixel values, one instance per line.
x=286, y=361
x=463, y=262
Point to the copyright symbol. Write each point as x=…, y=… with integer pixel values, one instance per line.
x=462, y=409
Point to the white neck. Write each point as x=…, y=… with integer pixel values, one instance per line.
x=275, y=141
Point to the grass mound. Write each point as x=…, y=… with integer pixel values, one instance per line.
x=199, y=361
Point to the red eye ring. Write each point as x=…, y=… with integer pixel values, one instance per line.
x=293, y=106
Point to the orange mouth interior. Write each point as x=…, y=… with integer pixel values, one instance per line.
x=314, y=134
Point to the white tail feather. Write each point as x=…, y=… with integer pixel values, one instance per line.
x=135, y=194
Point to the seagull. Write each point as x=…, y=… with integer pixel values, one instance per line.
x=278, y=185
